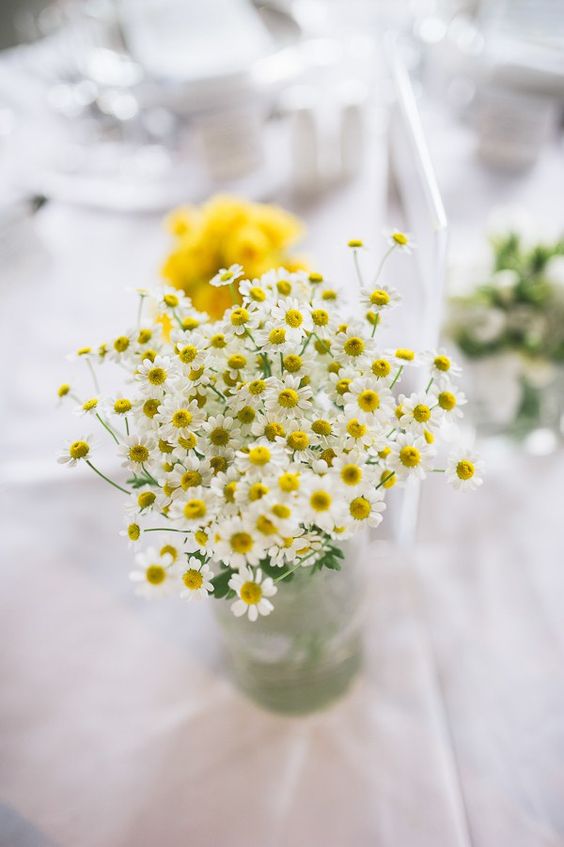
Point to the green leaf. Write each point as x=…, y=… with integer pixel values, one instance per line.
x=220, y=584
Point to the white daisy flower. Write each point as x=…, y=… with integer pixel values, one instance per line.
x=369, y=401
x=287, y=397
x=227, y=276
x=194, y=510
x=136, y=450
x=253, y=592
x=449, y=401
x=294, y=317
x=238, y=545
x=89, y=407
x=157, y=375
x=197, y=580
x=366, y=507
x=77, y=451
x=399, y=240
x=441, y=366
x=380, y=298
x=155, y=574
x=464, y=470
x=323, y=506
x=262, y=456
x=410, y=456
x=418, y=412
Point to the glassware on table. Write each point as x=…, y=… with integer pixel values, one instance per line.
x=307, y=652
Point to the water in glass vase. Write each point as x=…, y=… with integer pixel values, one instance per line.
x=306, y=653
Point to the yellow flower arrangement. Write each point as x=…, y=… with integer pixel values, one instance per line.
x=222, y=232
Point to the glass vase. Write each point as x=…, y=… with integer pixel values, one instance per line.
x=305, y=654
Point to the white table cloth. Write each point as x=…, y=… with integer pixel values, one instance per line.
x=118, y=728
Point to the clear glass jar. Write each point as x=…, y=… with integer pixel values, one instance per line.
x=305, y=654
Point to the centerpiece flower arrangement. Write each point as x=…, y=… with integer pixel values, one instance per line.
x=224, y=231
x=510, y=326
x=255, y=446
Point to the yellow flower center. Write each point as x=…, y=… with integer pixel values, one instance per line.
x=218, y=341
x=90, y=404
x=465, y=469
x=146, y=499
x=351, y=474
x=281, y=511
x=355, y=243
x=150, y=408
x=257, y=294
x=329, y=294
x=190, y=323
x=320, y=501
x=144, y=335
x=405, y=354
x=354, y=346
x=190, y=479
x=188, y=442
x=155, y=574
x=342, y=386
x=250, y=593
x=181, y=418
x=192, y=579
x=328, y=456
x=284, y=287
x=277, y=336
x=219, y=436
x=138, y=453
x=63, y=389
x=257, y=387
x=218, y=464
x=274, y=430
x=315, y=278
x=322, y=346
x=379, y=297
x=169, y=550
x=292, y=363
x=241, y=542
x=356, y=429
x=79, y=449
x=201, y=537
x=294, y=318
x=400, y=238
x=288, y=398
x=298, y=440
x=360, y=508
x=133, y=531
x=259, y=456
x=442, y=363
x=121, y=344
x=156, y=376
x=320, y=317
x=421, y=413
x=194, y=509
x=246, y=415
x=187, y=354
x=387, y=479
x=122, y=406
x=257, y=491
x=229, y=491
x=369, y=400
x=409, y=456
x=83, y=351
x=381, y=367
x=289, y=482
x=236, y=362
x=239, y=317
x=447, y=400
x=322, y=427
x=171, y=300
x=265, y=526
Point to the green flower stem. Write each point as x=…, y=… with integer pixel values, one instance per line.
x=233, y=293
x=429, y=384
x=219, y=394
x=126, y=425
x=397, y=376
x=94, y=377
x=178, y=321
x=115, y=485
x=306, y=342
x=148, y=475
x=383, y=262
x=281, y=364
x=385, y=480
x=299, y=565
x=140, y=310
x=167, y=529
x=108, y=428
x=357, y=268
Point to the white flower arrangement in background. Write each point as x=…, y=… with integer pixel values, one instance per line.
x=255, y=444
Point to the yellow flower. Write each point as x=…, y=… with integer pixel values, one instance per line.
x=222, y=232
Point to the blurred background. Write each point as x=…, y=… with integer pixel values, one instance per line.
x=441, y=116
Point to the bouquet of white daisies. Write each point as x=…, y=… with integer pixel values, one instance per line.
x=254, y=445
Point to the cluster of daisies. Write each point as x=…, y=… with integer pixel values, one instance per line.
x=254, y=444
